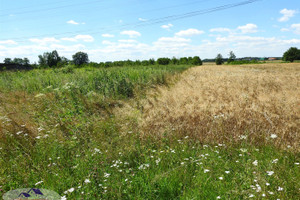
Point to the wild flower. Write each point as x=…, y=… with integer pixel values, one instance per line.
x=251, y=195
x=218, y=197
x=258, y=188
x=38, y=137
x=296, y=163
x=280, y=188
x=157, y=161
x=275, y=161
x=18, y=133
x=206, y=170
x=87, y=181
x=243, y=150
x=143, y=166
x=227, y=172
x=255, y=163
x=106, y=175
x=243, y=137
x=270, y=173
x=221, y=178
x=71, y=190
x=267, y=184
x=273, y=136
x=63, y=198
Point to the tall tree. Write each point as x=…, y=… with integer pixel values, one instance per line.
x=232, y=57
x=219, y=59
x=49, y=59
x=291, y=54
x=196, y=61
x=80, y=58
x=7, y=61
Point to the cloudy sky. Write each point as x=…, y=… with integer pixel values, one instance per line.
x=111, y=30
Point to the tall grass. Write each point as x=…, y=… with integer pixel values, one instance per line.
x=111, y=82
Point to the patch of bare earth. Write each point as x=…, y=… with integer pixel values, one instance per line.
x=256, y=103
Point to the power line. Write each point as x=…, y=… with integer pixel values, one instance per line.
x=94, y=19
x=144, y=23
x=53, y=8
x=13, y=9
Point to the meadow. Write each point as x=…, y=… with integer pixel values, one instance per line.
x=153, y=132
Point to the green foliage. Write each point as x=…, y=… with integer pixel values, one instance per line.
x=196, y=60
x=49, y=59
x=80, y=58
x=17, y=61
x=219, y=59
x=243, y=62
x=232, y=57
x=7, y=61
x=291, y=54
x=183, y=61
x=113, y=82
x=163, y=61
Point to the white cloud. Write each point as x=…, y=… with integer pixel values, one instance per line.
x=219, y=30
x=248, y=28
x=127, y=41
x=10, y=42
x=72, y=22
x=287, y=14
x=284, y=30
x=142, y=20
x=296, y=28
x=189, y=32
x=106, y=35
x=44, y=40
x=107, y=42
x=85, y=38
x=167, y=26
x=131, y=33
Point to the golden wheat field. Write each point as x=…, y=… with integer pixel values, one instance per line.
x=257, y=103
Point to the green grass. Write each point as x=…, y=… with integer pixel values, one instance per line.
x=117, y=82
x=59, y=127
x=123, y=168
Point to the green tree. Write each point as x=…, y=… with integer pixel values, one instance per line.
x=183, y=60
x=219, y=59
x=163, y=61
x=232, y=57
x=7, y=61
x=291, y=54
x=196, y=61
x=174, y=61
x=152, y=61
x=80, y=58
x=26, y=62
x=49, y=59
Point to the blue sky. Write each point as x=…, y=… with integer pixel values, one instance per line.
x=111, y=30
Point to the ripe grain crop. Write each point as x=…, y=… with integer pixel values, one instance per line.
x=256, y=103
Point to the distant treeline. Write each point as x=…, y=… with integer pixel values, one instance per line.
x=80, y=59
x=245, y=59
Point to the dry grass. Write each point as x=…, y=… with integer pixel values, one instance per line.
x=227, y=103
